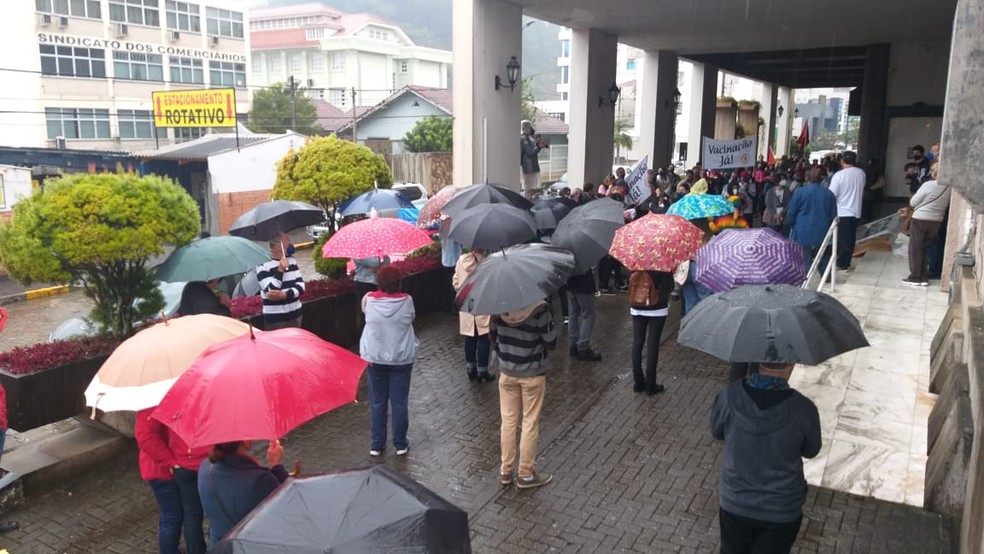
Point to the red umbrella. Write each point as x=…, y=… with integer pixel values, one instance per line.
x=430, y=214
x=376, y=236
x=656, y=242
x=259, y=386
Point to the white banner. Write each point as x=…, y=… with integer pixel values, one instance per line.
x=729, y=154
x=638, y=188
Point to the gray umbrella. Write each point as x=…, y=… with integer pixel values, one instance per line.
x=772, y=323
x=492, y=226
x=269, y=219
x=548, y=212
x=515, y=278
x=486, y=193
x=588, y=231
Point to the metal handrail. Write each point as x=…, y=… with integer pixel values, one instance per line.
x=829, y=238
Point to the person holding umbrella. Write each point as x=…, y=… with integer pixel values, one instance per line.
x=649, y=300
x=475, y=328
x=389, y=345
x=281, y=286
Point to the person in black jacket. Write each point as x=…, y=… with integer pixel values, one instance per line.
x=647, y=328
x=581, y=308
x=657, y=202
x=198, y=297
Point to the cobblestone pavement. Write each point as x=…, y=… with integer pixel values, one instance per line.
x=632, y=473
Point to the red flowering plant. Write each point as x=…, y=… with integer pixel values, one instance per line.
x=28, y=359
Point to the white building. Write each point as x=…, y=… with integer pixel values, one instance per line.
x=84, y=70
x=330, y=53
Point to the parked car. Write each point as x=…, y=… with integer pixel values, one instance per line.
x=556, y=187
x=414, y=191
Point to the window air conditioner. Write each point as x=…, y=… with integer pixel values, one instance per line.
x=61, y=143
x=310, y=83
x=215, y=41
x=45, y=19
x=62, y=22
x=121, y=30
x=175, y=35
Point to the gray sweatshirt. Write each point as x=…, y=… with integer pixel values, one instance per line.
x=762, y=473
x=930, y=202
x=388, y=338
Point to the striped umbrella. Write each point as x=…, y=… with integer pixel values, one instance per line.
x=749, y=257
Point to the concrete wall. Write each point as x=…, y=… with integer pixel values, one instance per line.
x=22, y=87
x=15, y=183
x=251, y=168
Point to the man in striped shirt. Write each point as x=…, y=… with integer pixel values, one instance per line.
x=281, y=286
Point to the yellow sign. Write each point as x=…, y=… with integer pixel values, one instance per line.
x=214, y=107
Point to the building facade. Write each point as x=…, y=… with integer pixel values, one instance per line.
x=329, y=53
x=80, y=74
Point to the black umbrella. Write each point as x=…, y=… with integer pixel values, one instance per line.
x=515, y=278
x=476, y=195
x=269, y=219
x=492, y=226
x=772, y=323
x=369, y=510
x=547, y=212
x=588, y=231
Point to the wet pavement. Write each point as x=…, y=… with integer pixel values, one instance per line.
x=632, y=473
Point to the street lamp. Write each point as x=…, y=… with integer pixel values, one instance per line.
x=675, y=103
x=512, y=75
x=613, y=93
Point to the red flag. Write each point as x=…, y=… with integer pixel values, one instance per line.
x=804, y=137
x=772, y=157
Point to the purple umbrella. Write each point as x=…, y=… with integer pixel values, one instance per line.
x=749, y=257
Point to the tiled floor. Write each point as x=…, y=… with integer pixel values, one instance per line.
x=874, y=402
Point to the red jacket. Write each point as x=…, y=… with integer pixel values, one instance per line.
x=184, y=456
x=3, y=409
x=156, y=459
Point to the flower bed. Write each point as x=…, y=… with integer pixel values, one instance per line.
x=28, y=359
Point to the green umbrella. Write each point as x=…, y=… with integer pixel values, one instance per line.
x=212, y=258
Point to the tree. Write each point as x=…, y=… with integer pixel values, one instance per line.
x=622, y=138
x=431, y=134
x=327, y=171
x=527, y=108
x=272, y=113
x=100, y=230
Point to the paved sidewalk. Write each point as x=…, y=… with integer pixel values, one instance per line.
x=632, y=473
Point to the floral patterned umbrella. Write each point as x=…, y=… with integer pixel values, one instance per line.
x=430, y=214
x=656, y=242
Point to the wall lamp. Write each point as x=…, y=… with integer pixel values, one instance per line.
x=675, y=102
x=512, y=75
x=613, y=92
x=780, y=110
x=796, y=112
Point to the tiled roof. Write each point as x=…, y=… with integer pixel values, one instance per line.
x=293, y=11
x=200, y=149
x=440, y=97
x=549, y=125
x=280, y=38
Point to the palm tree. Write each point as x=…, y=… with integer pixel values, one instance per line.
x=622, y=137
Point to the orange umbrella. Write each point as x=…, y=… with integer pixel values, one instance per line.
x=656, y=242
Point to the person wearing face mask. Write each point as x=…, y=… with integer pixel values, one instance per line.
x=919, y=158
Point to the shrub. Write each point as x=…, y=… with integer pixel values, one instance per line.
x=332, y=268
x=28, y=359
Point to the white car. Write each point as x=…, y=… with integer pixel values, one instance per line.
x=415, y=192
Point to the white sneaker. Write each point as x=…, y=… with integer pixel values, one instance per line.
x=403, y=451
x=375, y=453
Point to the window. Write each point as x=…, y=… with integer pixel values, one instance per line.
x=317, y=62
x=137, y=12
x=77, y=123
x=257, y=64
x=227, y=74
x=135, y=124
x=186, y=70
x=404, y=67
x=184, y=134
x=314, y=34
x=276, y=63
x=630, y=64
x=68, y=61
x=565, y=48
x=296, y=63
x=563, y=96
x=137, y=66
x=565, y=74
x=337, y=97
x=224, y=23
x=338, y=62
x=74, y=8
x=183, y=16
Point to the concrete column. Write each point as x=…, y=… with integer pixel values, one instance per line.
x=873, y=132
x=703, y=95
x=658, y=86
x=784, y=121
x=591, y=140
x=486, y=122
x=770, y=101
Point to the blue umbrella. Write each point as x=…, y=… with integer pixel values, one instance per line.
x=697, y=206
x=378, y=199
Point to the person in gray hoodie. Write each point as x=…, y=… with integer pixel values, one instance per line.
x=521, y=339
x=389, y=345
x=767, y=429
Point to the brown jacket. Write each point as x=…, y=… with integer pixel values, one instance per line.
x=469, y=325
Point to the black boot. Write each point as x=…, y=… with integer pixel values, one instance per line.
x=485, y=377
x=472, y=373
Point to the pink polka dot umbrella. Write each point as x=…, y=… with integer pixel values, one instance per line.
x=376, y=236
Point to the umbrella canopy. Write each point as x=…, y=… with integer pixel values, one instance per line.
x=772, y=323
x=515, y=278
x=269, y=219
x=547, y=212
x=259, y=386
x=588, y=231
x=142, y=368
x=477, y=195
x=656, y=242
x=212, y=258
x=366, y=510
x=749, y=257
x=492, y=226
x=430, y=214
x=376, y=199
x=698, y=206
x=376, y=236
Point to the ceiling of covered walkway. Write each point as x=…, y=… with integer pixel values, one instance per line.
x=796, y=43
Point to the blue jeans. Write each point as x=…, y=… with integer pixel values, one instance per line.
x=389, y=385
x=477, y=352
x=191, y=505
x=168, y=498
x=582, y=317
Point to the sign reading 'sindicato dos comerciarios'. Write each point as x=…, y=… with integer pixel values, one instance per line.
x=146, y=48
x=214, y=107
